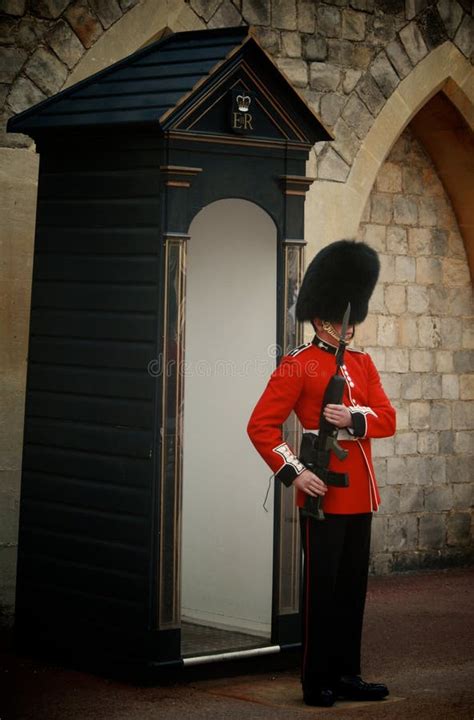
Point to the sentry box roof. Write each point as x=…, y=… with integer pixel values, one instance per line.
x=173, y=82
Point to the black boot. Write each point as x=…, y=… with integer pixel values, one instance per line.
x=320, y=696
x=352, y=687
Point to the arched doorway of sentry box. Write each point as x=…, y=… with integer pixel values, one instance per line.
x=227, y=536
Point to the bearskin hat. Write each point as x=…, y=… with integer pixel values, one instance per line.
x=344, y=271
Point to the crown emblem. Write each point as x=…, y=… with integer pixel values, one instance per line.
x=243, y=102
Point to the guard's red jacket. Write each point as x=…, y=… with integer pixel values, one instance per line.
x=298, y=384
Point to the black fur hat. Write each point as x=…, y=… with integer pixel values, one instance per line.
x=343, y=271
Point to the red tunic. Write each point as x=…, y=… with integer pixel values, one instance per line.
x=298, y=384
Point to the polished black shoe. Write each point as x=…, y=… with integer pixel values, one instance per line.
x=352, y=687
x=322, y=697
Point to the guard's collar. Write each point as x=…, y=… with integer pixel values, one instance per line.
x=324, y=345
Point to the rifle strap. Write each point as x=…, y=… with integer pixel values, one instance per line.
x=332, y=478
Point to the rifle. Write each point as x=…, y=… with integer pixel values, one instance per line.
x=315, y=450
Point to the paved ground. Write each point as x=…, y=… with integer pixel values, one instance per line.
x=419, y=638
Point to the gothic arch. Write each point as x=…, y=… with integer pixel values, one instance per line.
x=335, y=209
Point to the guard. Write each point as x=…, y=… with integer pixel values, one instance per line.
x=336, y=548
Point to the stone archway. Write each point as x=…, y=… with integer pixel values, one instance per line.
x=335, y=209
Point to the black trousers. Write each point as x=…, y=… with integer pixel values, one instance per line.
x=336, y=561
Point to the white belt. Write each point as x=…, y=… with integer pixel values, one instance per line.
x=342, y=434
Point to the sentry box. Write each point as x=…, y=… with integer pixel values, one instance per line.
x=168, y=253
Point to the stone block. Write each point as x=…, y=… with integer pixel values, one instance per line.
x=427, y=212
x=463, y=415
x=367, y=331
x=405, y=210
x=8, y=559
x=84, y=23
x=387, y=268
x=108, y=11
x=428, y=443
x=401, y=408
x=390, y=500
x=450, y=332
x=397, y=360
x=411, y=498
x=315, y=48
x=8, y=26
x=450, y=387
x=432, y=529
x=399, y=59
x=395, y=299
x=451, y=14
x=413, y=43
x=455, y=272
x=306, y=18
x=332, y=167
x=353, y=25
x=466, y=387
x=446, y=442
x=439, y=241
x=405, y=267
x=440, y=418
x=226, y=16
x=257, y=12
x=268, y=38
x=464, y=37
x=11, y=62
x=438, y=498
x=384, y=28
x=439, y=301
x=411, y=385
x=24, y=94
x=389, y=179
x=331, y=107
x=291, y=44
x=362, y=55
x=328, y=21
x=351, y=78
x=402, y=532
x=438, y=470
x=346, y=144
x=384, y=75
x=377, y=540
x=357, y=116
x=377, y=304
x=430, y=386
x=406, y=443
x=464, y=442
x=381, y=208
x=376, y=353
x=65, y=43
x=468, y=333
x=13, y=7
x=463, y=496
x=417, y=299
x=387, y=331
x=295, y=70
x=128, y=4
x=463, y=361
x=419, y=241
x=383, y=447
x=284, y=14
x=374, y=235
x=324, y=76
x=459, y=529
x=428, y=270
x=419, y=414
x=418, y=469
x=380, y=470
x=459, y=469
x=370, y=94
x=46, y=71
x=429, y=331
x=381, y=563
x=340, y=52
x=365, y=5
x=50, y=9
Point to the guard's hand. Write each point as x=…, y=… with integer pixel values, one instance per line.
x=310, y=484
x=338, y=415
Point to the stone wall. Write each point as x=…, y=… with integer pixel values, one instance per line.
x=354, y=61
x=420, y=332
